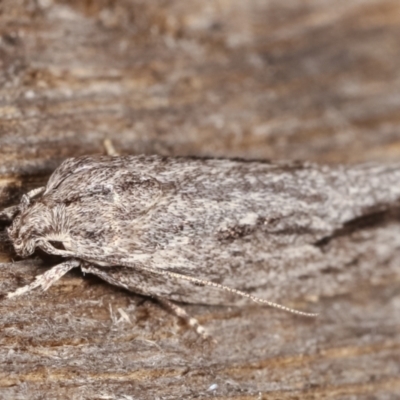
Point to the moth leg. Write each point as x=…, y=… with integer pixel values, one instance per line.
x=178, y=311
x=181, y=313
x=9, y=213
x=26, y=198
x=34, y=192
x=47, y=279
x=110, y=149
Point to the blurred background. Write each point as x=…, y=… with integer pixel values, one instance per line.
x=307, y=80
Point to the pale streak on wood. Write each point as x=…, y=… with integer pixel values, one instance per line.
x=5, y=181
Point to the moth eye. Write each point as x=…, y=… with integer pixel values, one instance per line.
x=18, y=242
x=57, y=244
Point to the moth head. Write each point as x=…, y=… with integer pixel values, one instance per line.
x=26, y=229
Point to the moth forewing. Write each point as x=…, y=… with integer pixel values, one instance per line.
x=193, y=230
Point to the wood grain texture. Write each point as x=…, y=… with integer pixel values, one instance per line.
x=315, y=80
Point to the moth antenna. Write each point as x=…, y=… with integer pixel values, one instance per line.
x=231, y=290
x=208, y=283
x=243, y=294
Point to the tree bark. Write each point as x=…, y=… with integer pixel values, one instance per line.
x=315, y=81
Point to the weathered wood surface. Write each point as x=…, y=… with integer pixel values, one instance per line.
x=312, y=80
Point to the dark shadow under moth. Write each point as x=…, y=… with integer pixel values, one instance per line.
x=192, y=230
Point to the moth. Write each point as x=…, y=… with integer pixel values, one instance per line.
x=189, y=230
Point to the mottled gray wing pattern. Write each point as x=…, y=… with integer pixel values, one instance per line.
x=211, y=219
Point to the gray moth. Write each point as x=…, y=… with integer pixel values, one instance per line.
x=190, y=230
